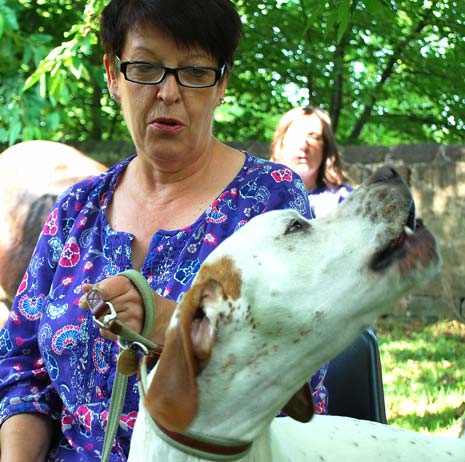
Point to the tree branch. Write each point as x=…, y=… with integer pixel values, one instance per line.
x=387, y=72
x=307, y=39
x=338, y=93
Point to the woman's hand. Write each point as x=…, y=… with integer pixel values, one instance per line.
x=128, y=304
x=125, y=298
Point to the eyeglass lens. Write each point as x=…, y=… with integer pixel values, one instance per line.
x=189, y=76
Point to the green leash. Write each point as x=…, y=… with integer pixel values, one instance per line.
x=130, y=342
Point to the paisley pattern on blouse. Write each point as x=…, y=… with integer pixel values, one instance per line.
x=52, y=358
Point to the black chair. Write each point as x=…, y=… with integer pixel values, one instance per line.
x=354, y=381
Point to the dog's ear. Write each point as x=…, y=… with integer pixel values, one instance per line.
x=172, y=397
x=300, y=407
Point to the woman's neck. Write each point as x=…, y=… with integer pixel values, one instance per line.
x=309, y=179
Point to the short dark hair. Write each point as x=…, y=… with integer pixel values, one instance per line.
x=212, y=25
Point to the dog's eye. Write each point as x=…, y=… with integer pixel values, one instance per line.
x=295, y=226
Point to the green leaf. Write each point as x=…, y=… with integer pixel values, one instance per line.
x=31, y=81
x=377, y=6
x=344, y=18
x=76, y=67
x=9, y=18
x=3, y=135
x=2, y=24
x=14, y=132
x=56, y=83
x=43, y=85
x=64, y=94
x=53, y=120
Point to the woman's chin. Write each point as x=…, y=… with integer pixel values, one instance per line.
x=304, y=170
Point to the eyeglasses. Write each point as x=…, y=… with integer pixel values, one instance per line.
x=154, y=74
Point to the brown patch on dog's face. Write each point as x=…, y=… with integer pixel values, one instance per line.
x=226, y=273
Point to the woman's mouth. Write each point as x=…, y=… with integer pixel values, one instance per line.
x=167, y=124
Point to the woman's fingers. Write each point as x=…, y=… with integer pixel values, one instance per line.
x=125, y=298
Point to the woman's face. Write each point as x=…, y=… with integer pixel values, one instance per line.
x=302, y=146
x=168, y=123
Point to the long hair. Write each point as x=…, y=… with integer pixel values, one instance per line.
x=330, y=174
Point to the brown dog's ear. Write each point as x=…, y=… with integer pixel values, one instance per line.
x=172, y=396
x=300, y=407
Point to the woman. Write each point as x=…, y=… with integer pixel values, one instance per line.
x=160, y=212
x=305, y=142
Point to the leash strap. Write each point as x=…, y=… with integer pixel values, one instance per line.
x=118, y=394
x=104, y=315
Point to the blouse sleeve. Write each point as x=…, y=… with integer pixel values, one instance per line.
x=25, y=386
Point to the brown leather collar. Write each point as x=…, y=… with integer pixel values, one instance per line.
x=207, y=448
x=204, y=446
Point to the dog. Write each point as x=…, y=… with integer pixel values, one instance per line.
x=271, y=304
x=32, y=175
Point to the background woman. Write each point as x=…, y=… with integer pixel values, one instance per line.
x=304, y=141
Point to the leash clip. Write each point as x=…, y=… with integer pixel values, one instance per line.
x=98, y=306
x=134, y=346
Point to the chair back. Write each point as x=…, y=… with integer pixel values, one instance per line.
x=355, y=383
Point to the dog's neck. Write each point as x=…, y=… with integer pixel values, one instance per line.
x=238, y=397
x=147, y=443
x=192, y=443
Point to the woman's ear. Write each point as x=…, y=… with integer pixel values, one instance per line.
x=222, y=84
x=112, y=77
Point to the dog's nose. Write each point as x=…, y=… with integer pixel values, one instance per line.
x=384, y=174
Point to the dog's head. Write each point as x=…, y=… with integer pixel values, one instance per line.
x=284, y=294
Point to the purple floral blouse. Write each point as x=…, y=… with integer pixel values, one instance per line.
x=323, y=200
x=52, y=359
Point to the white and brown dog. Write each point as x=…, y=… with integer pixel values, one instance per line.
x=270, y=305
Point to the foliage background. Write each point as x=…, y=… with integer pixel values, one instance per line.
x=388, y=71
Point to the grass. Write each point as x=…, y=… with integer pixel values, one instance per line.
x=423, y=374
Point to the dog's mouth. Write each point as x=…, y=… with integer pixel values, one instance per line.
x=413, y=248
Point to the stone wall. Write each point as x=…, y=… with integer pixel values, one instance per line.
x=436, y=175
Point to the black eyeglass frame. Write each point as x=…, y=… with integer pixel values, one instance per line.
x=122, y=66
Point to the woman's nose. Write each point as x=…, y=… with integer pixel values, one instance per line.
x=168, y=90
x=302, y=144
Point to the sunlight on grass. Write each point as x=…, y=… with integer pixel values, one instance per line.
x=423, y=374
